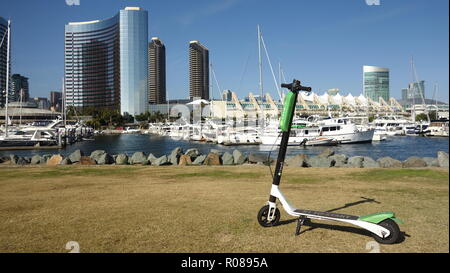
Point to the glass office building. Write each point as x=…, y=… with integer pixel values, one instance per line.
x=3, y=53
x=133, y=60
x=92, y=76
x=376, y=83
x=106, y=64
x=19, y=88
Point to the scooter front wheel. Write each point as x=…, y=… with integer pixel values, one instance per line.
x=263, y=217
x=394, y=230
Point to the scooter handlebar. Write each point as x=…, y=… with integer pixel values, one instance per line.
x=296, y=86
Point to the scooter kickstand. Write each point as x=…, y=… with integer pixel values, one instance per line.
x=300, y=222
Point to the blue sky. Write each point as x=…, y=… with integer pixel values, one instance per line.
x=324, y=43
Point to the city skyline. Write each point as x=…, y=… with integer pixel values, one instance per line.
x=323, y=43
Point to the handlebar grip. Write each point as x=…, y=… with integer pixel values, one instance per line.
x=286, y=85
x=305, y=88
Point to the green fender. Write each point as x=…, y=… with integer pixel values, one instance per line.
x=379, y=217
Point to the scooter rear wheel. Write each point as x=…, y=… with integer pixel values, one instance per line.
x=262, y=217
x=394, y=230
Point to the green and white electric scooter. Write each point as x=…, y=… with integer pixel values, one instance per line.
x=382, y=225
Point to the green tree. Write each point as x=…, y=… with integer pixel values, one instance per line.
x=421, y=117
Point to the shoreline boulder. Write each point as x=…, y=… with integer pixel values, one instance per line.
x=299, y=160
x=355, y=162
x=55, y=160
x=122, y=159
x=36, y=159
x=199, y=160
x=66, y=161
x=259, y=158
x=389, y=162
x=431, y=161
x=76, y=156
x=212, y=159
x=227, y=159
x=340, y=160
x=368, y=162
x=442, y=158
x=87, y=160
x=138, y=158
x=185, y=160
x=175, y=155
x=320, y=162
x=414, y=162
x=238, y=157
x=161, y=161
x=193, y=153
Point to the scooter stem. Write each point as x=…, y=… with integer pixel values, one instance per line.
x=285, y=126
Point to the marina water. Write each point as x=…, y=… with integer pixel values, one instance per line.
x=398, y=147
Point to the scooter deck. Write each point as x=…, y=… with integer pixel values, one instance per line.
x=326, y=214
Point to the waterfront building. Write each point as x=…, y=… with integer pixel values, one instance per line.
x=106, y=62
x=19, y=88
x=27, y=112
x=376, y=83
x=3, y=57
x=198, y=71
x=56, y=100
x=156, y=72
x=307, y=104
x=133, y=60
x=427, y=105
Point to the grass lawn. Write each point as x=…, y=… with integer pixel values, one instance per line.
x=212, y=209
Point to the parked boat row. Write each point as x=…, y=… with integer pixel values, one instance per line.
x=44, y=133
x=330, y=131
x=311, y=131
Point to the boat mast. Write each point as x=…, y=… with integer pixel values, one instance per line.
x=260, y=62
x=435, y=99
x=7, y=77
x=21, y=102
x=413, y=111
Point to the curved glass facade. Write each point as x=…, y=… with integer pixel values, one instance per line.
x=106, y=62
x=92, y=77
x=376, y=83
x=133, y=61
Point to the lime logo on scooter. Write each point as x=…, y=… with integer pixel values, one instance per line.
x=382, y=225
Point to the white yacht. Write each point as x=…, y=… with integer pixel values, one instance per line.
x=239, y=136
x=341, y=130
x=438, y=128
x=391, y=125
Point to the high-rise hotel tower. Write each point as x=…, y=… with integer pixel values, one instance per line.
x=156, y=72
x=106, y=62
x=3, y=59
x=376, y=82
x=198, y=71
